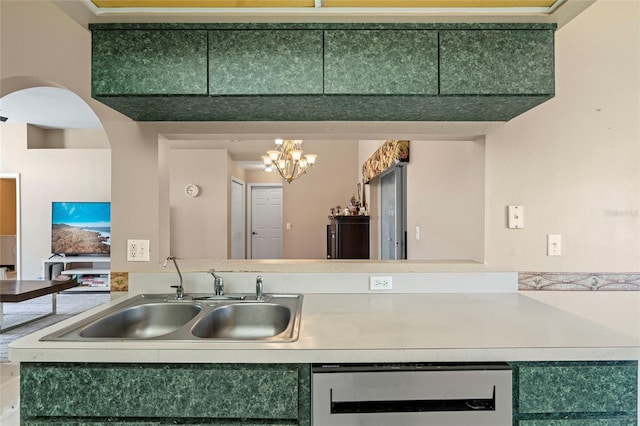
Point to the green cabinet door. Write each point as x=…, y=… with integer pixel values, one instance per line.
x=149, y=62
x=265, y=62
x=497, y=62
x=580, y=422
x=576, y=388
x=381, y=62
x=279, y=394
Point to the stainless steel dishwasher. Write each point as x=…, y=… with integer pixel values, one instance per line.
x=412, y=394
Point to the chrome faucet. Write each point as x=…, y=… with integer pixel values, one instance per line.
x=259, y=288
x=179, y=288
x=218, y=283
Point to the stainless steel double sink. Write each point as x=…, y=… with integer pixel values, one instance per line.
x=276, y=318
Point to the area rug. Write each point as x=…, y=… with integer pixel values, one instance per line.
x=68, y=305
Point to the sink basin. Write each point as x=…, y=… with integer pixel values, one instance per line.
x=142, y=321
x=197, y=318
x=244, y=321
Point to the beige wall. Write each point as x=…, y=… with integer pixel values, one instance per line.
x=445, y=183
x=199, y=224
x=572, y=162
x=333, y=180
x=48, y=175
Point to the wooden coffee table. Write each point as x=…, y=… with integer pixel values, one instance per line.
x=15, y=291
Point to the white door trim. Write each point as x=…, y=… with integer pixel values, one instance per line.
x=243, y=217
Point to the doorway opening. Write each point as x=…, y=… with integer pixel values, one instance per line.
x=10, y=226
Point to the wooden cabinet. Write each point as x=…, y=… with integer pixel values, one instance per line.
x=348, y=237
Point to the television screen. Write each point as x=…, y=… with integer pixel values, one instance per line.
x=81, y=228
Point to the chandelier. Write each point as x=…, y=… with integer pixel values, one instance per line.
x=287, y=159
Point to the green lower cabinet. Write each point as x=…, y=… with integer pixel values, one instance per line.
x=146, y=423
x=599, y=393
x=219, y=394
x=578, y=422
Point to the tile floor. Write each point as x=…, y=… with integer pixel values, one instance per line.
x=69, y=304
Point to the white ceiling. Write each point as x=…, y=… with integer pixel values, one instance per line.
x=49, y=108
x=85, y=12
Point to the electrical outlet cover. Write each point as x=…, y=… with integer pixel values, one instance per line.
x=380, y=283
x=137, y=250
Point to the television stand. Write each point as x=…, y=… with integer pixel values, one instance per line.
x=93, y=273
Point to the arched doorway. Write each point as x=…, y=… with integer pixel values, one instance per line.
x=46, y=131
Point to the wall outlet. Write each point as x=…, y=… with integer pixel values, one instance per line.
x=380, y=283
x=137, y=250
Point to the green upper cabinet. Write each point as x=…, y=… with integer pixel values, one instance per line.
x=265, y=62
x=496, y=62
x=381, y=62
x=149, y=62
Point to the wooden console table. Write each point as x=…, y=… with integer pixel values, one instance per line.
x=14, y=291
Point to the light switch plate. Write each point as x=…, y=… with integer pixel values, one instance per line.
x=554, y=245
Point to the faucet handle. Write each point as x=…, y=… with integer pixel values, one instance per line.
x=218, y=283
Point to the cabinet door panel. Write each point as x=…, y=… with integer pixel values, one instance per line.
x=561, y=388
x=369, y=62
x=149, y=62
x=259, y=62
x=580, y=422
x=474, y=62
x=157, y=391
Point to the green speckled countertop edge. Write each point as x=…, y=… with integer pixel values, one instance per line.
x=323, y=26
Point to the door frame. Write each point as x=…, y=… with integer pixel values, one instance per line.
x=16, y=177
x=235, y=180
x=250, y=212
x=400, y=172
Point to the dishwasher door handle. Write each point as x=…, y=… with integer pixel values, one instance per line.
x=412, y=405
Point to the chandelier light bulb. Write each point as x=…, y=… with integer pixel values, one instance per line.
x=311, y=158
x=273, y=155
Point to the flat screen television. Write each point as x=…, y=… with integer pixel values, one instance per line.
x=81, y=228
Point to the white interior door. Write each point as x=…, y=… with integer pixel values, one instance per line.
x=266, y=222
x=237, y=219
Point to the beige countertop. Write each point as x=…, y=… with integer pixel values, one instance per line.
x=437, y=327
